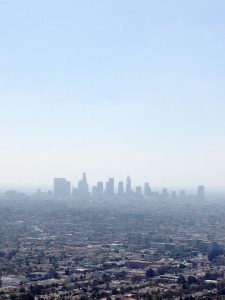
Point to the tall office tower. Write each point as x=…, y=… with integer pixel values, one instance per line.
x=120, y=188
x=201, y=192
x=94, y=192
x=61, y=188
x=128, y=186
x=75, y=192
x=109, y=189
x=97, y=191
x=83, y=185
x=100, y=188
x=147, y=189
x=138, y=191
x=174, y=195
x=182, y=194
x=165, y=194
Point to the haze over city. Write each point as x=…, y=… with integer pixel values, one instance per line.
x=113, y=88
x=112, y=142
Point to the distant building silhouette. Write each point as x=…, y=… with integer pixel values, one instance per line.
x=201, y=192
x=182, y=194
x=83, y=185
x=100, y=188
x=128, y=186
x=97, y=191
x=94, y=192
x=109, y=188
x=164, y=192
x=120, y=188
x=174, y=195
x=147, y=189
x=61, y=188
x=138, y=191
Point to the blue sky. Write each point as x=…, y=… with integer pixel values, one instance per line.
x=114, y=88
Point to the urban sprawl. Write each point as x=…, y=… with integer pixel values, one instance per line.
x=111, y=243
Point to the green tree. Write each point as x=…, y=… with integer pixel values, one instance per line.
x=150, y=273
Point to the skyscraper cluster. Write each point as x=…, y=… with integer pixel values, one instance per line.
x=62, y=189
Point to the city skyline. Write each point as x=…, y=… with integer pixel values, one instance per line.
x=64, y=188
x=119, y=185
x=112, y=142
x=108, y=186
x=114, y=87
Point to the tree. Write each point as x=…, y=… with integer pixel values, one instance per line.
x=150, y=273
x=214, y=254
x=37, y=289
x=27, y=296
x=192, y=279
x=181, y=280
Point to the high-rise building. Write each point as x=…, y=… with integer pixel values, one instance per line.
x=201, y=192
x=97, y=191
x=83, y=185
x=128, y=186
x=61, y=188
x=174, y=195
x=182, y=194
x=94, y=192
x=75, y=192
x=100, y=188
x=138, y=191
x=120, y=188
x=147, y=189
x=109, y=188
x=165, y=193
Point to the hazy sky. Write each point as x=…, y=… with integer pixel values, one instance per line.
x=113, y=88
